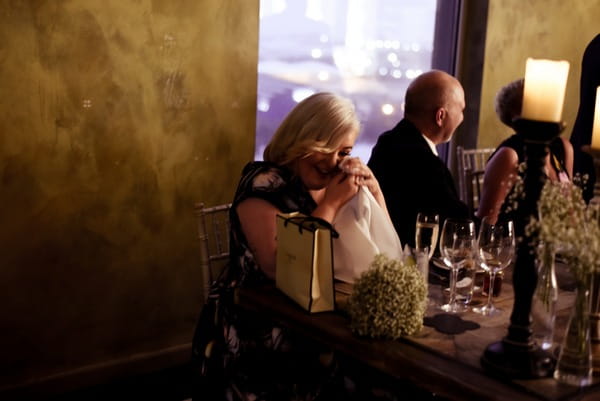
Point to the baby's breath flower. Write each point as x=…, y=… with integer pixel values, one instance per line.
x=567, y=224
x=388, y=300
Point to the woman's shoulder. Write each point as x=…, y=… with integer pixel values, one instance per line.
x=273, y=183
x=264, y=176
x=503, y=161
x=513, y=146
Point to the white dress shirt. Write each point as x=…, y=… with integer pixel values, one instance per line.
x=431, y=145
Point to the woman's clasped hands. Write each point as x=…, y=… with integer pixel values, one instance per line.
x=361, y=175
x=354, y=167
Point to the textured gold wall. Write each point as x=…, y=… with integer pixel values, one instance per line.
x=116, y=116
x=517, y=29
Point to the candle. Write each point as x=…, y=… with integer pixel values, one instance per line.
x=544, y=91
x=596, y=129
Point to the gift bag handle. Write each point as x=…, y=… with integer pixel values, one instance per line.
x=311, y=223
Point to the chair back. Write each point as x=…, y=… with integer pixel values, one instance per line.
x=471, y=168
x=213, y=233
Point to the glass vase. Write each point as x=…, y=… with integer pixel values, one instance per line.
x=595, y=322
x=545, y=297
x=574, y=364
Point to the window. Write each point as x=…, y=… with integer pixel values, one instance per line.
x=366, y=50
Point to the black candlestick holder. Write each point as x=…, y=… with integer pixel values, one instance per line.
x=517, y=356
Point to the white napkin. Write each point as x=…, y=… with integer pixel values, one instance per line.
x=365, y=231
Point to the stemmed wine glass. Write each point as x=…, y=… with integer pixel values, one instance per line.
x=426, y=234
x=457, y=247
x=495, y=248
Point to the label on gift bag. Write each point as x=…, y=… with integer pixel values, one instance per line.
x=304, y=264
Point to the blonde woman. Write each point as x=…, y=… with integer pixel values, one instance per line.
x=302, y=171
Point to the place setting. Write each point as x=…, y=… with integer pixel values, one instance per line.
x=469, y=264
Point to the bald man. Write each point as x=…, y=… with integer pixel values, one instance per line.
x=405, y=160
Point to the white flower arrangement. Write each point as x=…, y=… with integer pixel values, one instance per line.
x=567, y=224
x=388, y=300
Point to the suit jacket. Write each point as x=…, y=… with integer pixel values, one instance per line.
x=413, y=179
x=583, y=163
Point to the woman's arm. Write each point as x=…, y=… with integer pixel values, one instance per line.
x=500, y=175
x=257, y=218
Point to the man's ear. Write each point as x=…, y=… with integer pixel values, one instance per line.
x=440, y=116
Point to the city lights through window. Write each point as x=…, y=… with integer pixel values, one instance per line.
x=366, y=50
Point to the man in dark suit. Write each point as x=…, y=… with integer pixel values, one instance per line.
x=582, y=129
x=405, y=161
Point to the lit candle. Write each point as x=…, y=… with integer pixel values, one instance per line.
x=596, y=129
x=544, y=91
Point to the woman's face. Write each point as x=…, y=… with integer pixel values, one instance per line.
x=317, y=169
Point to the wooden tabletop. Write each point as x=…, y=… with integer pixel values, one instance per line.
x=445, y=364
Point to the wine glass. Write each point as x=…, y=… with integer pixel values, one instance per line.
x=495, y=249
x=426, y=234
x=457, y=247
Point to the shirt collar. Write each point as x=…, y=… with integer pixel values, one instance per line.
x=431, y=145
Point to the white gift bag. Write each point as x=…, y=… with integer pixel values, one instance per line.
x=365, y=230
x=304, y=261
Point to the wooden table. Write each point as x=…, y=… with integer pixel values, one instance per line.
x=447, y=365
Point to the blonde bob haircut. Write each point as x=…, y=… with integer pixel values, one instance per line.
x=319, y=123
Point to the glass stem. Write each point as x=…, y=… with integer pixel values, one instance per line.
x=491, y=290
x=453, y=279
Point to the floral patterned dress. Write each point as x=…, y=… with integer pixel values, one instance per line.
x=243, y=356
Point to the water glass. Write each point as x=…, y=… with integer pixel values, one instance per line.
x=457, y=247
x=426, y=232
x=496, y=248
